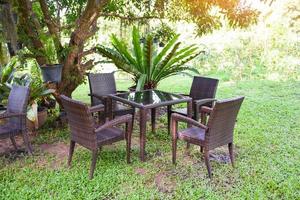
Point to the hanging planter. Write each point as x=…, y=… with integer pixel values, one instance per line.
x=52, y=73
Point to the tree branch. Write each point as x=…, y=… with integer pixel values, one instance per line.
x=88, y=52
x=132, y=18
x=53, y=28
x=87, y=65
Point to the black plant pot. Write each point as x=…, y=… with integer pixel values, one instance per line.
x=2, y=107
x=52, y=73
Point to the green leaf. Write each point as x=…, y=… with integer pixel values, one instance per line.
x=121, y=47
x=8, y=70
x=148, y=53
x=166, y=60
x=141, y=82
x=137, y=48
x=165, y=50
x=118, y=60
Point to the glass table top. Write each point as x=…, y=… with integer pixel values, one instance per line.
x=151, y=97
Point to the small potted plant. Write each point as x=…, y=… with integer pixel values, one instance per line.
x=37, y=112
x=51, y=71
x=163, y=34
x=39, y=94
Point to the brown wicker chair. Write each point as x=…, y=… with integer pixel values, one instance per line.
x=101, y=85
x=85, y=132
x=203, y=91
x=15, y=116
x=218, y=132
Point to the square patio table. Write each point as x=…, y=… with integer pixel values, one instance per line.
x=151, y=99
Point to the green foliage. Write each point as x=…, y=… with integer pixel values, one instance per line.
x=13, y=74
x=163, y=33
x=49, y=49
x=6, y=78
x=38, y=91
x=273, y=54
x=146, y=59
x=209, y=15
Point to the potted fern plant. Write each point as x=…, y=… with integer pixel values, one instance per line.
x=147, y=63
x=51, y=71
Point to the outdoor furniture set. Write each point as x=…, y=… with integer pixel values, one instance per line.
x=114, y=108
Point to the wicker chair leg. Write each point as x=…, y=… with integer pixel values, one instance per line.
x=169, y=118
x=128, y=146
x=206, y=159
x=133, y=114
x=230, y=148
x=13, y=141
x=27, y=142
x=93, y=164
x=174, y=149
x=153, y=113
x=71, y=151
x=201, y=149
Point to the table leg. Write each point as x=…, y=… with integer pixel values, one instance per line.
x=143, y=121
x=153, y=112
x=189, y=114
x=109, y=111
x=169, y=108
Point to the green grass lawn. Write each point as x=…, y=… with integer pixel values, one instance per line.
x=266, y=146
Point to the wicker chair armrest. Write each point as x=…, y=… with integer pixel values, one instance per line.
x=96, y=108
x=101, y=97
x=180, y=118
x=204, y=101
x=120, y=120
x=205, y=109
x=10, y=115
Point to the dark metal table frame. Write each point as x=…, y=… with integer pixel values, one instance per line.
x=143, y=114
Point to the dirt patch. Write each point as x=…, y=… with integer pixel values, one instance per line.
x=135, y=142
x=164, y=183
x=6, y=146
x=59, y=151
x=140, y=171
x=221, y=155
